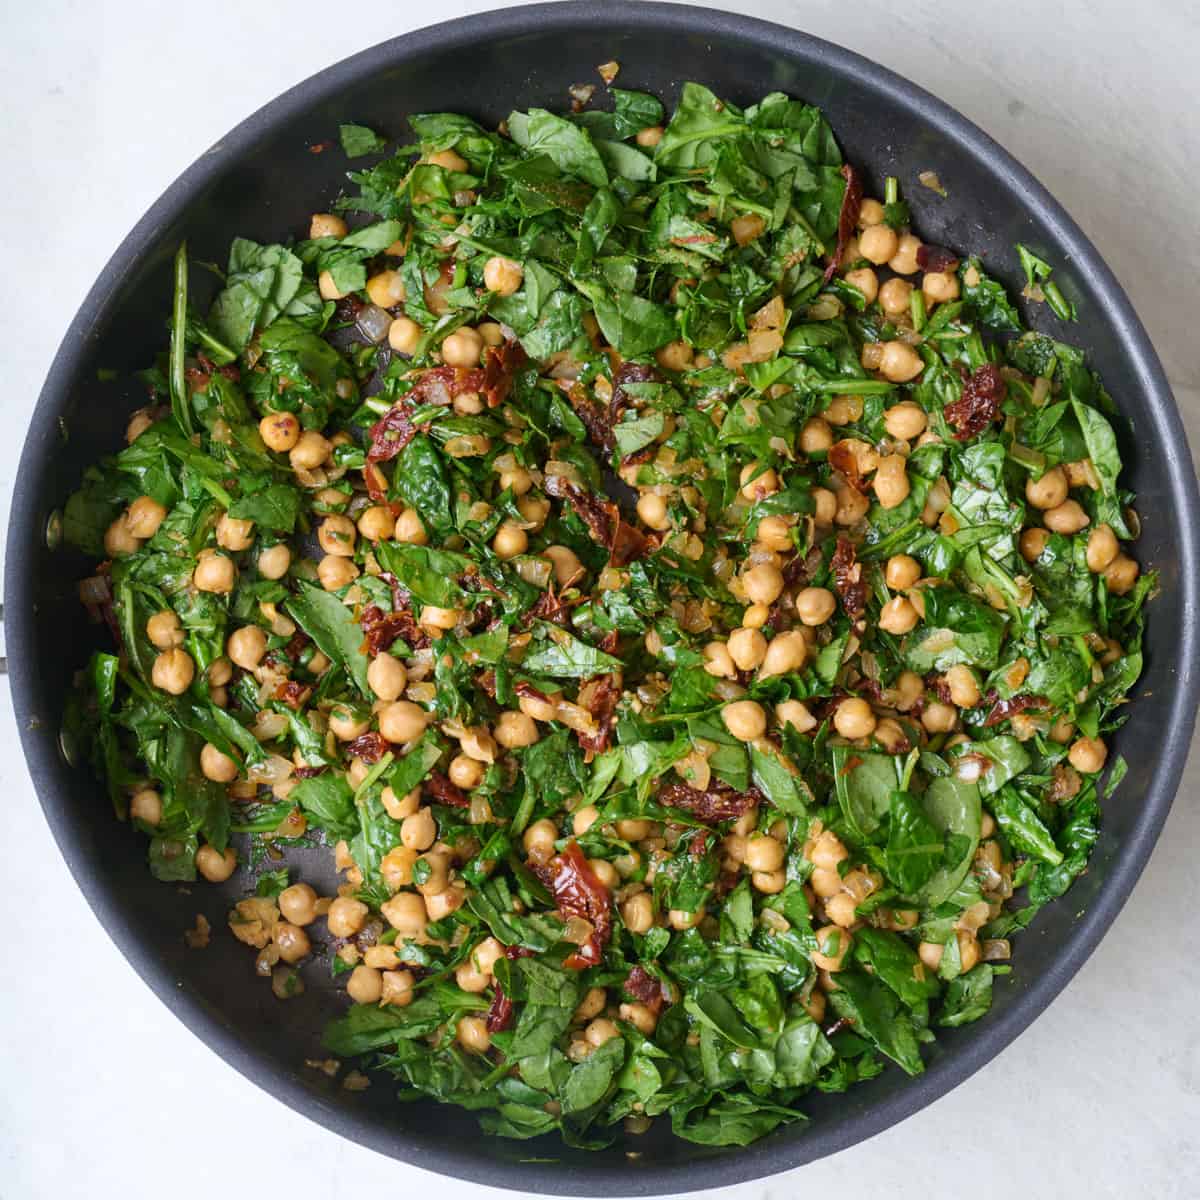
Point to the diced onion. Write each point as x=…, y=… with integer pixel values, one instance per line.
x=374, y=322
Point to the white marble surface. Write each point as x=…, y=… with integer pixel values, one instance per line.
x=105, y=104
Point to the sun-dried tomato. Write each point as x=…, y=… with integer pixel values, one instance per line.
x=391, y=433
x=847, y=217
x=578, y=893
x=936, y=258
x=1002, y=710
x=623, y=542
x=440, y=790
x=717, y=802
x=309, y=772
x=979, y=405
x=599, y=696
x=848, y=577
x=939, y=685
x=295, y=647
x=294, y=695
x=500, y=1012
x=647, y=988
x=597, y=419
x=370, y=747
x=627, y=545
x=382, y=629
x=485, y=681
x=550, y=607
x=500, y=365
x=511, y=952
x=527, y=691
x=628, y=372
x=842, y=458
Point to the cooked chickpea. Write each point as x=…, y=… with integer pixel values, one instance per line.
x=377, y=524
x=164, y=631
x=1049, y=491
x=398, y=989
x=402, y=721
x=404, y=335
x=396, y=867
x=325, y=225
x=747, y=648
x=674, y=356
x=904, y=260
x=335, y=572
x=214, y=865
x=895, y=296
x=764, y=853
x=1087, y=755
x=854, y=719
x=462, y=348
x=144, y=516
x=757, y=484
x=539, y=840
x=756, y=616
x=785, y=652
x=638, y=913
x=878, y=243
x=833, y=944
x=905, y=420
x=795, y=713
x=291, y=941
x=826, y=509
x=907, y=690
x=273, y=562
x=478, y=743
x=406, y=914
x=775, y=533
x=217, y=766
x=298, y=904
x=515, y=730
x=678, y=919
x=510, y=540
x=583, y=819
x=840, y=909
x=234, y=534
x=963, y=686
x=827, y=851
x=852, y=506
x=146, y=805
x=938, y=717
x=386, y=289
x=899, y=362
x=502, y=275
x=438, y=618
x=465, y=772
x=280, y=431
x=901, y=572
x=346, y=916
x=815, y=605
x=346, y=724
x=649, y=137
x=1032, y=543
x=387, y=677
x=310, y=451
x=866, y=281
x=600, y=1030
x=1121, y=574
x=605, y=873
x=1066, y=518
x=470, y=979
x=399, y=807
x=718, y=661
x=214, y=573
x=652, y=511
x=365, y=985
x=939, y=287
x=815, y=436
x=898, y=616
x=930, y=953
x=336, y=535
x=173, y=671
x=442, y=900
x=410, y=529
x=763, y=583
x=745, y=719
x=640, y=1016
x=1102, y=548
x=119, y=539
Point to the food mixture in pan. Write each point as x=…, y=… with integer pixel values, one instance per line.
x=691, y=609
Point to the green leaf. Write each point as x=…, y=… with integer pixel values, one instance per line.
x=359, y=141
x=569, y=146
x=591, y=1079
x=331, y=625
x=431, y=575
x=566, y=657
x=275, y=507
x=328, y=802
x=877, y=1014
x=968, y=997
x=954, y=808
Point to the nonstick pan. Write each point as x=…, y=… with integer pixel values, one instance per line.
x=263, y=181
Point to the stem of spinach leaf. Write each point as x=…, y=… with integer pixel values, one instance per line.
x=178, y=380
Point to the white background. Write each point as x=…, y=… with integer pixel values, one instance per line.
x=104, y=104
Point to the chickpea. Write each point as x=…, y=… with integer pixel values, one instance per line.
x=825, y=882
x=785, y=652
x=674, y=356
x=816, y=436
x=638, y=913
x=747, y=648
x=718, y=661
x=280, y=431
x=968, y=949
x=757, y=484
x=487, y=954
x=273, y=562
x=119, y=539
x=214, y=573
x=898, y=616
x=763, y=583
x=365, y=985
x=173, y=671
x=404, y=335
x=902, y=572
x=377, y=524
x=398, y=989
x=291, y=941
x=600, y=1030
x=583, y=819
x=930, y=953
x=894, y=298
x=938, y=717
x=146, y=805
x=387, y=677
x=164, y=631
x=904, y=260
x=745, y=719
x=399, y=807
x=311, y=451
x=410, y=529
x=337, y=535
x=346, y=724
x=964, y=688
x=764, y=853
x=854, y=719
x=795, y=713
x=462, y=348
x=605, y=873
x=515, y=730
x=419, y=831
x=826, y=852
x=878, y=243
x=747, y=228
x=405, y=912
x=346, y=916
x=815, y=605
x=899, y=362
x=298, y=904
x=491, y=333
x=840, y=909
x=539, y=840
x=402, y=721
x=470, y=979
x=852, y=506
x=510, y=540
x=1102, y=548
x=678, y=919
x=649, y=137
x=906, y=420
x=640, y=1016
x=775, y=533
x=826, y=510
x=214, y=865
x=144, y=516
x=396, y=867
x=217, y=766
x=939, y=287
x=1067, y=518
x=833, y=944
x=336, y=572
x=438, y=618
x=1087, y=755
x=756, y=616
x=234, y=534
x=478, y=743
x=325, y=225
x=1032, y=543
x=908, y=689
x=652, y=511
x=1121, y=574
x=220, y=672
x=866, y=281
x=465, y=772
x=1049, y=491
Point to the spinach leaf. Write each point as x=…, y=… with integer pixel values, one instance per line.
x=331, y=625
